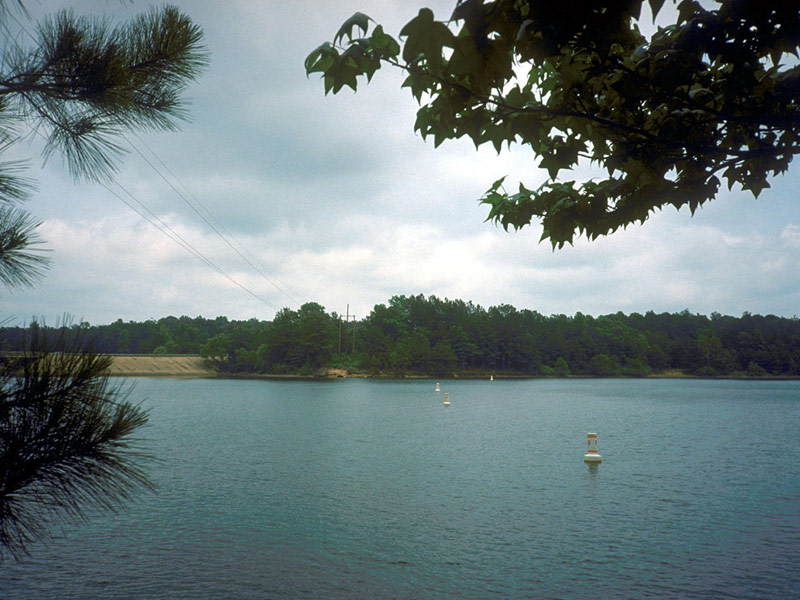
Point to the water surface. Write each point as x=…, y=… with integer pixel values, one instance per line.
x=374, y=489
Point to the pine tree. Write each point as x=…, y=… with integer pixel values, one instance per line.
x=66, y=442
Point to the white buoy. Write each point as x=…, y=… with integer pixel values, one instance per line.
x=491, y=377
x=447, y=399
x=592, y=455
x=437, y=387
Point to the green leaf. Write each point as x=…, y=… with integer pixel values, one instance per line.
x=496, y=185
x=359, y=20
x=384, y=45
x=687, y=8
x=495, y=135
x=522, y=28
x=699, y=91
x=755, y=184
x=689, y=100
x=655, y=7
x=422, y=21
x=426, y=37
x=321, y=59
x=345, y=73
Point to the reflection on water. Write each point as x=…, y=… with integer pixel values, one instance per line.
x=593, y=468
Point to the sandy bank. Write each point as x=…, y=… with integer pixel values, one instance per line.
x=160, y=366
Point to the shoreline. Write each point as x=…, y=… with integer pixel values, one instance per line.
x=194, y=367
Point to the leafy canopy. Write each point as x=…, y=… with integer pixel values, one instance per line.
x=662, y=119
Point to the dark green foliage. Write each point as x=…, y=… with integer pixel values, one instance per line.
x=561, y=368
x=755, y=370
x=415, y=335
x=442, y=360
x=86, y=83
x=21, y=260
x=712, y=96
x=303, y=339
x=81, y=87
x=66, y=439
x=603, y=365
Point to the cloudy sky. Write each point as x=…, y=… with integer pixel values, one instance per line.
x=296, y=197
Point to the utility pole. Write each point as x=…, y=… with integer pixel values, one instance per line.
x=340, y=329
x=347, y=320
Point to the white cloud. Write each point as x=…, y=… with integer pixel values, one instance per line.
x=340, y=202
x=790, y=237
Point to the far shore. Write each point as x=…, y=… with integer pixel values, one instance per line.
x=193, y=366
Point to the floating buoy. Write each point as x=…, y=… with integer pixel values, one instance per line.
x=447, y=399
x=437, y=387
x=592, y=455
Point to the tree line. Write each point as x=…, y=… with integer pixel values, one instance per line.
x=418, y=335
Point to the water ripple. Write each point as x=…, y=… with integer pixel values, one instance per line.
x=373, y=490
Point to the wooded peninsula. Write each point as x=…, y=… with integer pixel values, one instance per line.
x=427, y=336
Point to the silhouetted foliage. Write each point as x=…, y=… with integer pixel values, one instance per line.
x=710, y=96
x=65, y=432
x=66, y=442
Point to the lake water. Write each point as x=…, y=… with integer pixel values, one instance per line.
x=374, y=489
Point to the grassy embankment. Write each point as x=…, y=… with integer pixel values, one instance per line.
x=160, y=366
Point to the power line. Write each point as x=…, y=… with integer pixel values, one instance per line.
x=159, y=224
x=178, y=239
x=216, y=226
x=8, y=12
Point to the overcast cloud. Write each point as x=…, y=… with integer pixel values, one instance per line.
x=335, y=200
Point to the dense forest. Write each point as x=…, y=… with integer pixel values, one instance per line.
x=429, y=336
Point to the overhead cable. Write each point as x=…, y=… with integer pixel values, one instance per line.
x=159, y=224
x=215, y=226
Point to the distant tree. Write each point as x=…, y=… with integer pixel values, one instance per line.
x=705, y=98
x=411, y=353
x=245, y=360
x=218, y=351
x=65, y=433
x=316, y=335
x=443, y=359
x=465, y=349
x=657, y=357
x=755, y=370
x=713, y=354
x=561, y=367
x=603, y=365
x=635, y=367
x=282, y=344
x=465, y=337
